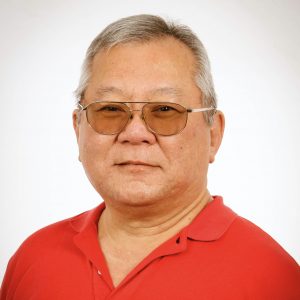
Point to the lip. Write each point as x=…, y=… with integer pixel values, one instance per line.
x=135, y=163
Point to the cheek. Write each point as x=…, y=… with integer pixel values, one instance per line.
x=92, y=150
x=188, y=151
x=195, y=150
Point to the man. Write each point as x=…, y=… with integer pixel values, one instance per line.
x=147, y=128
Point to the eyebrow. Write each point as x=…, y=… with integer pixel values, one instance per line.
x=167, y=90
x=102, y=90
x=175, y=92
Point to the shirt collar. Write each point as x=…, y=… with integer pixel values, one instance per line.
x=87, y=219
x=212, y=222
x=86, y=237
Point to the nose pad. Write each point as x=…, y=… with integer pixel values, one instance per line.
x=139, y=121
x=141, y=116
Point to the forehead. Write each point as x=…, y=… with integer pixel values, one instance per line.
x=165, y=66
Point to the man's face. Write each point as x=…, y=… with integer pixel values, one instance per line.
x=137, y=167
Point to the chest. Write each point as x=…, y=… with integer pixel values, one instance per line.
x=121, y=262
x=184, y=274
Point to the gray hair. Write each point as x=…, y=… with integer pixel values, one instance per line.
x=144, y=28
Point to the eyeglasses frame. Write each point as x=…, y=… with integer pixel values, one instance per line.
x=188, y=110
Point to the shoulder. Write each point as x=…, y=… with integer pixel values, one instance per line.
x=255, y=240
x=46, y=246
x=238, y=251
x=53, y=235
x=43, y=241
x=59, y=234
x=233, y=251
x=261, y=261
x=239, y=234
x=237, y=238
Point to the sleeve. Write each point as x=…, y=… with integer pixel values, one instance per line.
x=9, y=283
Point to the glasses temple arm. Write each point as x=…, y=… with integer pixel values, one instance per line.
x=201, y=109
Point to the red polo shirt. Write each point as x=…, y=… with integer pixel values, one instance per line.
x=218, y=256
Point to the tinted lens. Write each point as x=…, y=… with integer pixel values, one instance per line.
x=165, y=118
x=108, y=117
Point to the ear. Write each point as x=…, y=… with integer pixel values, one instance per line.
x=76, y=121
x=216, y=134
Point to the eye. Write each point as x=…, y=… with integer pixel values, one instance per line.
x=108, y=108
x=163, y=108
x=112, y=108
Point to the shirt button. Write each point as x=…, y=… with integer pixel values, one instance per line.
x=99, y=273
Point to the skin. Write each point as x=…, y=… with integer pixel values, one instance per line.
x=152, y=185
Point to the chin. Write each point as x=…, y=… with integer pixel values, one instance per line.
x=135, y=195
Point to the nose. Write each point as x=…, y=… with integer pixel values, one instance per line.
x=136, y=131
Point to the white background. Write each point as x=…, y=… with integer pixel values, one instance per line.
x=254, y=48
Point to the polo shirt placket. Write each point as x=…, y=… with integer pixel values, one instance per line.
x=201, y=229
x=103, y=285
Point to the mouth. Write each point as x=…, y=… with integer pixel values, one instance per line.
x=137, y=167
x=136, y=163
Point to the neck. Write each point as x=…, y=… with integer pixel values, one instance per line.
x=118, y=224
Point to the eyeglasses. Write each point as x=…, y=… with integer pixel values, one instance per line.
x=162, y=118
